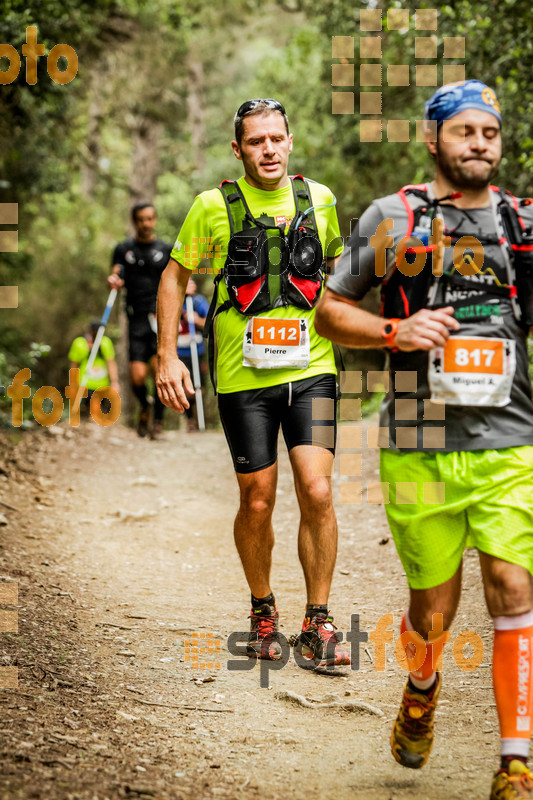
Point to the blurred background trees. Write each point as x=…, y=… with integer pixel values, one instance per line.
x=149, y=115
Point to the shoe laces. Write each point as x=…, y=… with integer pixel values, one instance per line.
x=264, y=623
x=519, y=776
x=418, y=723
x=318, y=622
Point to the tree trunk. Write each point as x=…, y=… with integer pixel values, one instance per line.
x=145, y=160
x=146, y=134
x=90, y=166
x=196, y=109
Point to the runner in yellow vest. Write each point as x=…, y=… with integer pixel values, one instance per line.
x=272, y=368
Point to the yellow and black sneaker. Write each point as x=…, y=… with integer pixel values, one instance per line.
x=412, y=734
x=516, y=781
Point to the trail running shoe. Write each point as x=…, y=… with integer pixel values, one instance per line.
x=142, y=425
x=412, y=734
x=319, y=643
x=514, y=782
x=262, y=639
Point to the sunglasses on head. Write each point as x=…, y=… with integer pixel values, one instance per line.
x=249, y=105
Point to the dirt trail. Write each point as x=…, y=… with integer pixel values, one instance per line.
x=122, y=550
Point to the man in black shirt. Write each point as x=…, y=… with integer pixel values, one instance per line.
x=137, y=264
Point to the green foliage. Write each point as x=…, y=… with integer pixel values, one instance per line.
x=36, y=119
x=13, y=359
x=499, y=51
x=372, y=405
x=135, y=66
x=68, y=286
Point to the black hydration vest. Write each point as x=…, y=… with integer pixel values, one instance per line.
x=268, y=266
x=403, y=295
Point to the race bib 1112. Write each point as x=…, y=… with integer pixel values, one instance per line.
x=271, y=343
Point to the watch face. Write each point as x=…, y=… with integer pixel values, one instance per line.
x=388, y=328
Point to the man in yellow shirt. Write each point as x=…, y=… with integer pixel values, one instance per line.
x=269, y=236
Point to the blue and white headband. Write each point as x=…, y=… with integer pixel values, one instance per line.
x=450, y=100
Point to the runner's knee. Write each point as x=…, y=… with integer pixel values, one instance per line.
x=315, y=495
x=421, y=613
x=138, y=372
x=508, y=591
x=256, y=504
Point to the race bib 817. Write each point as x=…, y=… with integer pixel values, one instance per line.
x=474, y=371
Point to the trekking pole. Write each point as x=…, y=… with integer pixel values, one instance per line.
x=96, y=344
x=195, y=363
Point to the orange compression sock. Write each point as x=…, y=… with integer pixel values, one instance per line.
x=424, y=677
x=512, y=675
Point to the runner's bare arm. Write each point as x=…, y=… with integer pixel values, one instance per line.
x=343, y=321
x=112, y=369
x=114, y=280
x=331, y=263
x=173, y=378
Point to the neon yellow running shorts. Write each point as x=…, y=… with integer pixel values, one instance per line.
x=440, y=503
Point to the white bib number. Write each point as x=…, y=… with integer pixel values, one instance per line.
x=473, y=372
x=97, y=373
x=273, y=343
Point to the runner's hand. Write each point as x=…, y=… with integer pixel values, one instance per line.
x=426, y=329
x=173, y=380
x=114, y=281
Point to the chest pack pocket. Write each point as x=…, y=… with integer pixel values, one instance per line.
x=245, y=271
x=268, y=266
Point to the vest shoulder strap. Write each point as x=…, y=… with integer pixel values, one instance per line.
x=418, y=190
x=236, y=206
x=239, y=212
x=303, y=203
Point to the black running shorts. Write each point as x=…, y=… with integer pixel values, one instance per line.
x=251, y=420
x=142, y=339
